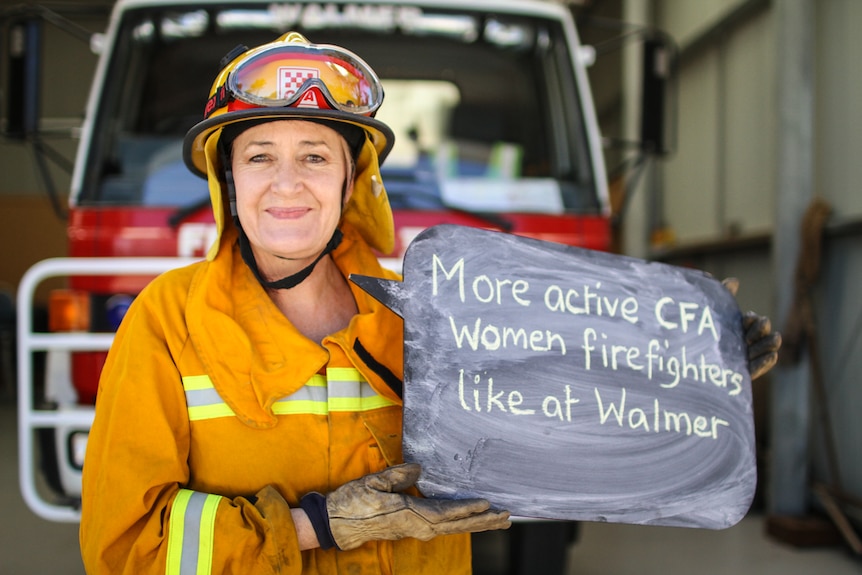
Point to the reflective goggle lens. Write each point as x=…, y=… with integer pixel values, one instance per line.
x=281, y=75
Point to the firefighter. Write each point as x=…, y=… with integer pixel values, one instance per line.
x=249, y=413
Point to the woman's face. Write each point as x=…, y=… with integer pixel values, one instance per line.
x=289, y=177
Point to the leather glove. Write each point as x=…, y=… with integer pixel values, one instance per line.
x=763, y=343
x=372, y=508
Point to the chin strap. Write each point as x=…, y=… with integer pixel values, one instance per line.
x=291, y=280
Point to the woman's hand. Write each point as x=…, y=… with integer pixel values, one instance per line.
x=762, y=342
x=373, y=508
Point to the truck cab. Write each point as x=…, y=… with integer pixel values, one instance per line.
x=494, y=126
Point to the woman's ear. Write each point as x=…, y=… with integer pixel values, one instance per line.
x=348, y=192
x=349, y=181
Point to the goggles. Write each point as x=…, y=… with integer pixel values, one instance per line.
x=301, y=76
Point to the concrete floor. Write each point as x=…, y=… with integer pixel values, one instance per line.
x=29, y=545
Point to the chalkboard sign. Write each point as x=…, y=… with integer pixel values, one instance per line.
x=564, y=383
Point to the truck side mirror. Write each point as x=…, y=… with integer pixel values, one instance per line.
x=659, y=60
x=658, y=83
x=24, y=49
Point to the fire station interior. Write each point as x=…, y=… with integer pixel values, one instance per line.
x=763, y=117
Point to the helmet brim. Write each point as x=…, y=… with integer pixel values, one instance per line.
x=380, y=134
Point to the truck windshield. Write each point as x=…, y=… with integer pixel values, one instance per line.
x=484, y=105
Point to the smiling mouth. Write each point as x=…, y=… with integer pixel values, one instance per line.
x=288, y=213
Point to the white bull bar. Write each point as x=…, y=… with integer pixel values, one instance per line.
x=29, y=417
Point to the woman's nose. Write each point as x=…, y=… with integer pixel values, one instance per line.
x=286, y=177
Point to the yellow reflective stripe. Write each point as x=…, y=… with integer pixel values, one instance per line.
x=317, y=380
x=342, y=389
x=343, y=374
x=199, y=412
x=348, y=391
x=310, y=399
x=175, y=532
x=300, y=408
x=203, y=400
x=191, y=531
x=205, y=550
x=193, y=382
x=358, y=403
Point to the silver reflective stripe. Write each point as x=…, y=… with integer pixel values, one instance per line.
x=191, y=531
x=348, y=391
x=202, y=400
x=200, y=397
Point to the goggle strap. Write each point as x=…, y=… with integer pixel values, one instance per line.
x=221, y=96
x=228, y=177
x=218, y=100
x=237, y=51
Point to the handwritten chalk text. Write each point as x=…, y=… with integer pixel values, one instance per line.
x=657, y=359
x=492, y=338
x=656, y=419
x=483, y=288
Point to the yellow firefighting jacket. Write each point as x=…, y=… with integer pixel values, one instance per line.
x=215, y=415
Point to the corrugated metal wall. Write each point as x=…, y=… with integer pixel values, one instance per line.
x=721, y=192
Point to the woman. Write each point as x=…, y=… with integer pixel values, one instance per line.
x=245, y=420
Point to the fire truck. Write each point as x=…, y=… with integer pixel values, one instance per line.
x=495, y=127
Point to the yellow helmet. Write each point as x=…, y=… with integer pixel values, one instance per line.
x=292, y=78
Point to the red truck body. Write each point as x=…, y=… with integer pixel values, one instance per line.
x=494, y=124
x=125, y=232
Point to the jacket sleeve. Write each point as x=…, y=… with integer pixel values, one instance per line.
x=137, y=516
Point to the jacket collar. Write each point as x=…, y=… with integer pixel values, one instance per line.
x=255, y=356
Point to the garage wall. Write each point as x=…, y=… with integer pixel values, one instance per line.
x=721, y=192
x=838, y=114
x=30, y=227
x=838, y=180
x=721, y=181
